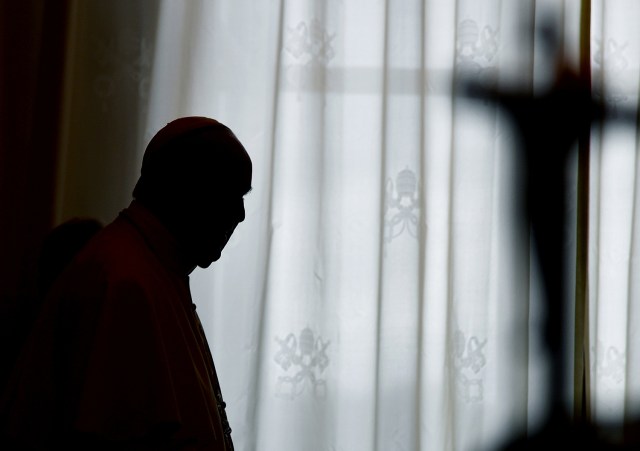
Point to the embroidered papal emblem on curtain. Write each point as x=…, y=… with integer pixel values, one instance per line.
x=309, y=48
x=402, y=205
x=306, y=357
x=310, y=43
x=610, y=57
x=608, y=363
x=123, y=63
x=476, y=49
x=468, y=362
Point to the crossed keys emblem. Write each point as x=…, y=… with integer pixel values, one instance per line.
x=468, y=360
x=307, y=355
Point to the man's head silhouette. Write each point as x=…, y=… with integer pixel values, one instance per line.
x=194, y=176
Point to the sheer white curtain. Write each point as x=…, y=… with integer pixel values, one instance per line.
x=613, y=236
x=378, y=296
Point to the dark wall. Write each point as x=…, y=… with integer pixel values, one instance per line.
x=32, y=52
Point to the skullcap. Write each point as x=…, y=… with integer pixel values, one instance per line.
x=176, y=129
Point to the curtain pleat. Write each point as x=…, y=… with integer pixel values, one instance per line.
x=581, y=396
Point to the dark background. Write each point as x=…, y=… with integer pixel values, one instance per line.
x=33, y=35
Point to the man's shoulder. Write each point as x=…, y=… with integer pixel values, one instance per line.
x=116, y=252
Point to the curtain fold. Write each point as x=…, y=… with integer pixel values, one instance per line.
x=612, y=218
x=108, y=69
x=582, y=408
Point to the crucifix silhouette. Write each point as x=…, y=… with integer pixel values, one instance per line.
x=549, y=124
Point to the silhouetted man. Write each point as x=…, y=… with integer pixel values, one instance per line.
x=118, y=359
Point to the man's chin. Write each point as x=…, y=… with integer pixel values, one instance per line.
x=206, y=262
